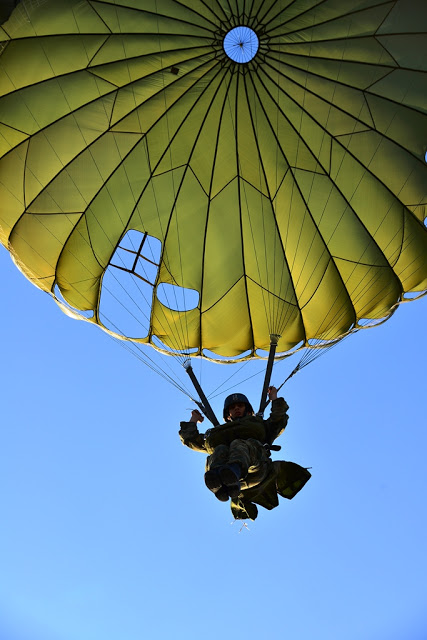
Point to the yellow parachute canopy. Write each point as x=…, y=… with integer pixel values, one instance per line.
x=271, y=183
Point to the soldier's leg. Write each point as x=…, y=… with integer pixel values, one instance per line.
x=246, y=458
x=214, y=463
x=218, y=457
x=249, y=454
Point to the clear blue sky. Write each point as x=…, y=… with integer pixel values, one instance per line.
x=107, y=531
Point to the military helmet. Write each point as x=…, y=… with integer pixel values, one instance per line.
x=236, y=397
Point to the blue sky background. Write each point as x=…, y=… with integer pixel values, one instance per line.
x=107, y=530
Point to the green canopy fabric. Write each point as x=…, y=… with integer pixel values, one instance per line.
x=288, y=191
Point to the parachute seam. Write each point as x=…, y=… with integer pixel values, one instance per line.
x=372, y=84
x=99, y=16
x=163, y=253
x=92, y=71
x=377, y=39
x=363, y=264
x=220, y=8
x=319, y=282
x=186, y=166
x=344, y=135
x=4, y=43
x=173, y=213
x=239, y=195
x=152, y=13
x=231, y=13
x=113, y=106
x=386, y=67
x=285, y=260
x=282, y=10
x=289, y=170
x=355, y=37
x=236, y=282
x=268, y=312
x=385, y=17
x=101, y=46
x=24, y=177
x=209, y=20
x=89, y=242
x=275, y=295
x=312, y=93
x=283, y=318
x=336, y=19
x=370, y=94
x=223, y=295
x=276, y=193
x=25, y=133
x=98, y=34
x=210, y=200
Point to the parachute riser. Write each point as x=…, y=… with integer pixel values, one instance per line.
x=204, y=404
x=274, y=339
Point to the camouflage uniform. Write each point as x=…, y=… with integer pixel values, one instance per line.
x=249, y=454
x=242, y=441
x=239, y=440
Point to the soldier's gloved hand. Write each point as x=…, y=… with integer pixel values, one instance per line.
x=272, y=393
x=196, y=416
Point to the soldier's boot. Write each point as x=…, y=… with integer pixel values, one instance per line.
x=213, y=480
x=222, y=494
x=214, y=484
x=230, y=477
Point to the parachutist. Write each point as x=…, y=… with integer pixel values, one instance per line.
x=239, y=464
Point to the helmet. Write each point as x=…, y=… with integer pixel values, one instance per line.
x=236, y=397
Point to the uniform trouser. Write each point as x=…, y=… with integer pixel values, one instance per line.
x=249, y=454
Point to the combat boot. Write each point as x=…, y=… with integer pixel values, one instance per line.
x=213, y=480
x=230, y=478
x=222, y=494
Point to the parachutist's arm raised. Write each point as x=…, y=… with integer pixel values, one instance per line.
x=276, y=423
x=189, y=433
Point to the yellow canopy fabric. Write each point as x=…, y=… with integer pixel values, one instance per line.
x=289, y=191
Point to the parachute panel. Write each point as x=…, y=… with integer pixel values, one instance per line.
x=12, y=200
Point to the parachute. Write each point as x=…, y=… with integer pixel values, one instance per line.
x=225, y=173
